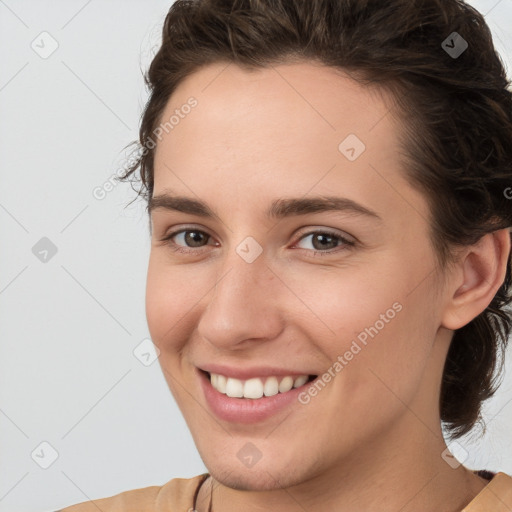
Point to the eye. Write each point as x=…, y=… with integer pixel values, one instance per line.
x=324, y=241
x=186, y=240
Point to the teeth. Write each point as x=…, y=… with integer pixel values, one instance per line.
x=253, y=388
x=271, y=387
x=300, y=381
x=235, y=388
x=256, y=387
x=220, y=384
x=286, y=384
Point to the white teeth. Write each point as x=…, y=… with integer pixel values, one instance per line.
x=286, y=384
x=271, y=387
x=256, y=387
x=220, y=385
x=234, y=388
x=253, y=388
x=300, y=381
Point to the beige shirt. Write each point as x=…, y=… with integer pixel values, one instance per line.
x=178, y=495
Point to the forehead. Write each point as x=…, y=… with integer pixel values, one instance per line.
x=289, y=127
x=287, y=100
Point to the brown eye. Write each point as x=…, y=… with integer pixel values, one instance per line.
x=325, y=241
x=186, y=240
x=194, y=238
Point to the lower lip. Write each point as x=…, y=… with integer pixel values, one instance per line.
x=247, y=410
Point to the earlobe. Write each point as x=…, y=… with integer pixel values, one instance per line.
x=481, y=273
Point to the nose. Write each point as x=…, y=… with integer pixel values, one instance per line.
x=244, y=305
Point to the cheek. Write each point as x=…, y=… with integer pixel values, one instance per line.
x=170, y=300
x=390, y=366
x=375, y=324
x=346, y=304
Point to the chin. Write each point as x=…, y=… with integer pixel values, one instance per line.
x=255, y=479
x=249, y=481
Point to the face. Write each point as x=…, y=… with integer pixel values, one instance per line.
x=297, y=250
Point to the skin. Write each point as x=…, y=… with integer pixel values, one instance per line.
x=371, y=439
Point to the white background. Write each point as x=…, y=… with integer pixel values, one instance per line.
x=69, y=326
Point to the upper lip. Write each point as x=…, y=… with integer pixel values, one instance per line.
x=249, y=373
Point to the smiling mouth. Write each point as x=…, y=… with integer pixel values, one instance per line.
x=257, y=387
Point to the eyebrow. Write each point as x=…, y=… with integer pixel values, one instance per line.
x=279, y=209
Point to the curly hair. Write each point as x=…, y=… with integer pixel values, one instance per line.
x=456, y=113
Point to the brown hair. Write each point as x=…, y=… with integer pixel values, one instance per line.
x=456, y=113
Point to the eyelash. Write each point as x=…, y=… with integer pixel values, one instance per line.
x=178, y=248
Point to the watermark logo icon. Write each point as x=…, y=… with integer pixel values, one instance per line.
x=44, y=250
x=455, y=455
x=44, y=455
x=249, y=249
x=454, y=45
x=352, y=147
x=146, y=352
x=249, y=455
x=44, y=45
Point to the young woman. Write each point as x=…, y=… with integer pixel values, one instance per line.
x=329, y=189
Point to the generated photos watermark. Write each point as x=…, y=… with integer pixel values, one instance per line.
x=343, y=360
x=101, y=191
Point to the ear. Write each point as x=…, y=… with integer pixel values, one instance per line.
x=478, y=276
